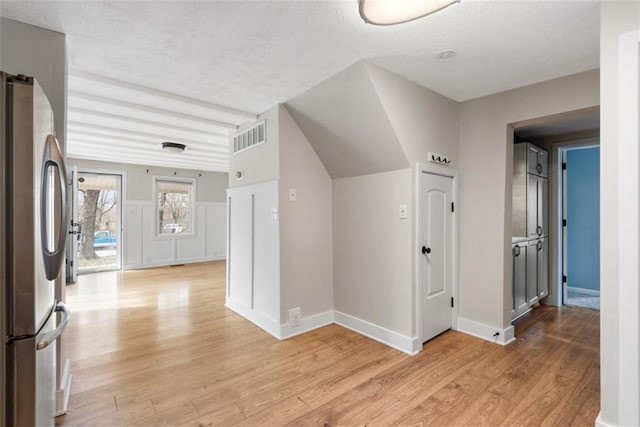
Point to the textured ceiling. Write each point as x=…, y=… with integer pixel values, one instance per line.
x=249, y=55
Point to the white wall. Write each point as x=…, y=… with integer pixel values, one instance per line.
x=345, y=122
x=306, y=260
x=618, y=382
x=253, y=285
x=372, y=249
x=260, y=163
x=210, y=186
x=141, y=248
x=486, y=163
x=423, y=120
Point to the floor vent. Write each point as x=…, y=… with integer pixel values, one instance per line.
x=250, y=138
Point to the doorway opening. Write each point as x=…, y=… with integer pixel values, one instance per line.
x=580, y=175
x=98, y=222
x=555, y=135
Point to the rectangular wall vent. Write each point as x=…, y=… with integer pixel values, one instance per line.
x=250, y=138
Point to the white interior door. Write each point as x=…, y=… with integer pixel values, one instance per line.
x=436, y=253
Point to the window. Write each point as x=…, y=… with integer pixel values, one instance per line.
x=174, y=198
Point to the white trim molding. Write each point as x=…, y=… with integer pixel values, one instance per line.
x=450, y=172
x=583, y=291
x=307, y=324
x=63, y=393
x=628, y=229
x=486, y=332
x=408, y=345
x=261, y=321
x=600, y=423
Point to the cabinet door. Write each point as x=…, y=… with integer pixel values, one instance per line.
x=532, y=273
x=543, y=267
x=543, y=207
x=520, y=303
x=543, y=161
x=532, y=206
x=532, y=159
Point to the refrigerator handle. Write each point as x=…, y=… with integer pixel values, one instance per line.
x=53, y=157
x=50, y=337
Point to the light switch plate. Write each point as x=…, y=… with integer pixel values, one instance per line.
x=274, y=213
x=402, y=211
x=293, y=196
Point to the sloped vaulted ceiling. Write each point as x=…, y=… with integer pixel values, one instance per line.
x=347, y=125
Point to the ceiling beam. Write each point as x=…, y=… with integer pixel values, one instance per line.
x=74, y=124
x=126, y=146
x=144, y=108
x=128, y=119
x=106, y=154
x=161, y=93
x=78, y=134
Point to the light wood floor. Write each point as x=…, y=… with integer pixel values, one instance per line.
x=158, y=347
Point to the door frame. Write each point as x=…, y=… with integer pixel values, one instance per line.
x=562, y=205
x=556, y=215
x=449, y=172
x=123, y=197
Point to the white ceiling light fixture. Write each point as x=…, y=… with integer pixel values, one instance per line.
x=391, y=12
x=173, y=147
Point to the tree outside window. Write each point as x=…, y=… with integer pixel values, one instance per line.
x=175, y=207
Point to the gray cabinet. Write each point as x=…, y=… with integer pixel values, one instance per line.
x=519, y=256
x=530, y=191
x=537, y=160
x=537, y=270
x=542, y=267
x=532, y=272
x=537, y=206
x=530, y=227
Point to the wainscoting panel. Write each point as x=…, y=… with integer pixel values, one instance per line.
x=142, y=248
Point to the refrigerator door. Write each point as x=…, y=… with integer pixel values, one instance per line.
x=31, y=292
x=32, y=380
x=3, y=230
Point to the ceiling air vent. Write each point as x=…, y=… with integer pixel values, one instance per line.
x=250, y=138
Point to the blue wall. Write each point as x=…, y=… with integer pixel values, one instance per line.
x=583, y=218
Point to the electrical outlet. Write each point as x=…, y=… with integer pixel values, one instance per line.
x=293, y=196
x=294, y=317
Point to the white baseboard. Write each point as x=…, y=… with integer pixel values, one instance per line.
x=582, y=291
x=307, y=324
x=62, y=394
x=392, y=339
x=600, y=423
x=170, y=263
x=486, y=332
x=260, y=320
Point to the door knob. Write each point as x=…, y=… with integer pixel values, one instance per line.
x=426, y=250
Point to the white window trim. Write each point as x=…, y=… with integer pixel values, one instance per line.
x=192, y=196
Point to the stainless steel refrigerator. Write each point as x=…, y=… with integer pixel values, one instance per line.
x=33, y=228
